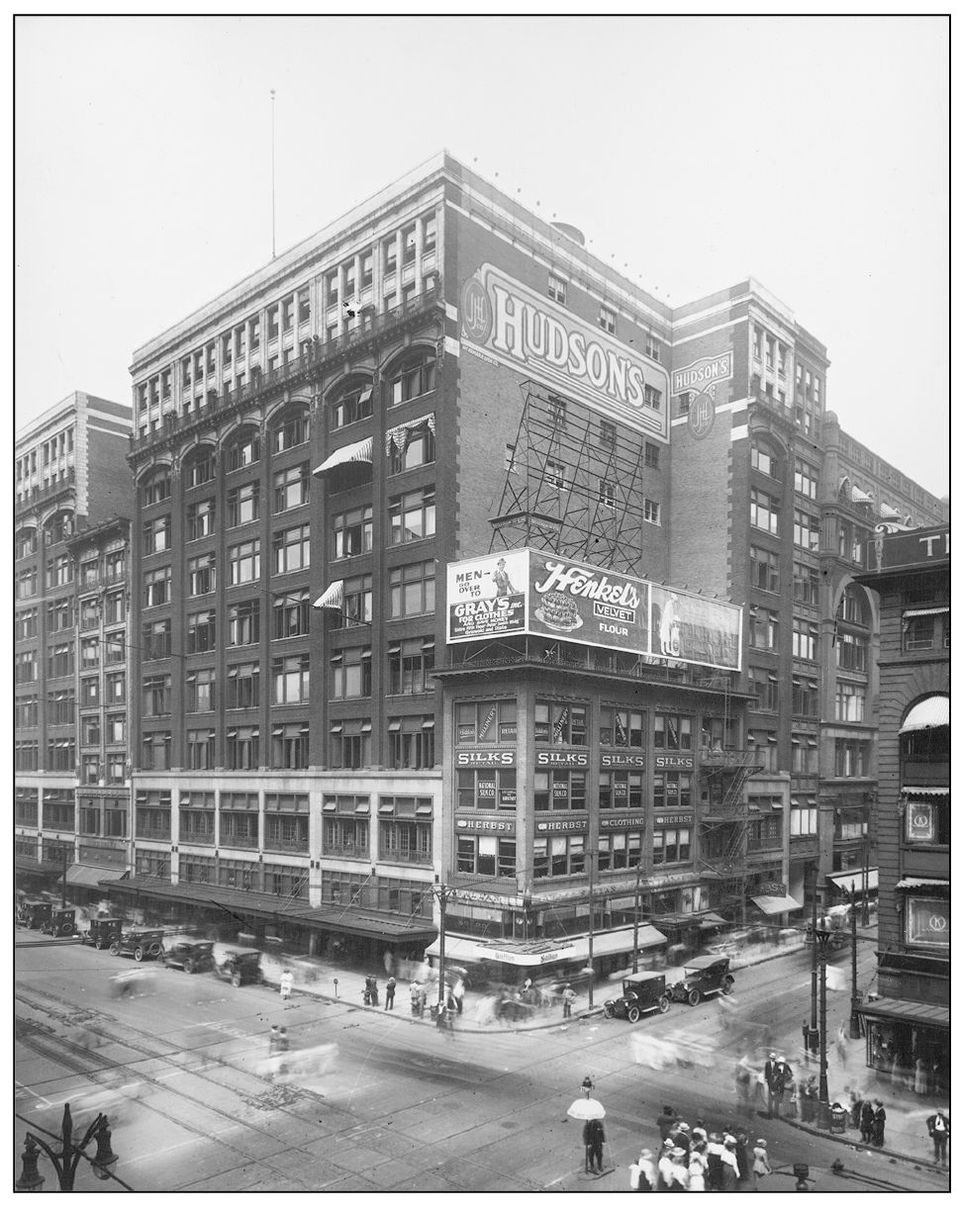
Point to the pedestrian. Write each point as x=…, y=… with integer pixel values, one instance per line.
x=866, y=1121
x=665, y=1167
x=939, y=1128
x=842, y=1046
x=769, y=1072
x=681, y=1139
x=730, y=1172
x=679, y=1176
x=643, y=1173
x=921, y=1081
x=761, y=1163
x=743, y=1162
x=714, y=1163
x=593, y=1138
x=283, y=1042
x=696, y=1169
x=391, y=991
x=374, y=992
x=569, y=997
x=274, y=1040
x=856, y=1106
x=666, y=1120
x=458, y=991
x=879, y=1124
x=806, y=1040
x=286, y=984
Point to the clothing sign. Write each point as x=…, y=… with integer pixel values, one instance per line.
x=673, y=818
x=504, y=321
x=487, y=596
x=633, y=760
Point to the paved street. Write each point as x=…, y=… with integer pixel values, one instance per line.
x=182, y=1071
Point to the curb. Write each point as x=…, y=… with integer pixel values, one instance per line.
x=891, y=1154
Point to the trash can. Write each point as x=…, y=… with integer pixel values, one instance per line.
x=838, y=1119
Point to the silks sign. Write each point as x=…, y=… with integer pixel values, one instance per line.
x=506, y=322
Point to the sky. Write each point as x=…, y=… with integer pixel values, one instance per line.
x=809, y=153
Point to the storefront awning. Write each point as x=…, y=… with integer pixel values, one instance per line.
x=923, y=611
x=772, y=905
x=852, y=880
x=908, y=1012
x=925, y=790
x=889, y=511
x=358, y=452
x=572, y=950
x=913, y=881
x=31, y=866
x=933, y=712
x=81, y=875
x=713, y=919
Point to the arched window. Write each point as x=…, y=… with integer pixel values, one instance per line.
x=413, y=376
x=155, y=487
x=351, y=401
x=243, y=449
x=200, y=467
x=765, y=458
x=293, y=429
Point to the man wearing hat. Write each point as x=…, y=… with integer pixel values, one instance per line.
x=768, y=1070
x=680, y=1177
x=938, y=1126
x=782, y=1074
x=879, y=1123
x=714, y=1162
x=681, y=1139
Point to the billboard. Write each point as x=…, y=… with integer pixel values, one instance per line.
x=506, y=322
x=528, y=592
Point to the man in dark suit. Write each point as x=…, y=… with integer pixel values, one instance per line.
x=939, y=1128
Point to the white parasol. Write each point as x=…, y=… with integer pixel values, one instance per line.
x=586, y=1108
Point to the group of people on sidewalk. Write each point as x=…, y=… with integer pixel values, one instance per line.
x=695, y=1159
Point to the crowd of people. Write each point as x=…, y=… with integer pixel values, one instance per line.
x=696, y=1159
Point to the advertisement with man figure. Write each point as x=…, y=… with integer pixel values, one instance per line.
x=487, y=596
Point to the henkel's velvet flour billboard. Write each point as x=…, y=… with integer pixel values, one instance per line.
x=527, y=592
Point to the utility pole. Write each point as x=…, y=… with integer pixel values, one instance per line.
x=590, y=934
x=813, y=951
x=821, y=938
x=441, y=892
x=273, y=174
x=854, y=998
x=636, y=922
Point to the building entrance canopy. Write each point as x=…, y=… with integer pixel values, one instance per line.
x=82, y=875
x=904, y=1011
x=772, y=905
x=852, y=880
x=933, y=712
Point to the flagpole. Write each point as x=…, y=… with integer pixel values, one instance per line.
x=273, y=175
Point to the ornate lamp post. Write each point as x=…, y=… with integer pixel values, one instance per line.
x=823, y=1111
x=67, y=1158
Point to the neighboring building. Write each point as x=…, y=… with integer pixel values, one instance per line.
x=438, y=375
x=909, y=1024
x=70, y=474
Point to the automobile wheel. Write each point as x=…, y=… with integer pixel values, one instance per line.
x=727, y=984
x=188, y=966
x=693, y=997
x=138, y=954
x=607, y=1012
x=664, y=1004
x=114, y=948
x=633, y=1014
x=235, y=980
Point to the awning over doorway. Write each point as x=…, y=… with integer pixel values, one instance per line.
x=772, y=905
x=81, y=875
x=357, y=452
x=908, y=1012
x=852, y=880
x=933, y=712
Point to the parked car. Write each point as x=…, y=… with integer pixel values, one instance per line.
x=138, y=941
x=34, y=914
x=62, y=923
x=641, y=993
x=190, y=954
x=238, y=965
x=103, y=931
x=706, y=974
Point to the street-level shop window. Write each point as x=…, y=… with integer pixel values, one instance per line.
x=621, y=790
x=412, y=745
x=617, y=851
x=672, y=789
x=560, y=722
x=673, y=732
x=197, y=868
x=487, y=790
x=238, y=873
x=927, y=922
x=560, y=790
x=482, y=855
x=406, y=842
x=671, y=846
x=560, y=855
x=620, y=727
x=490, y=722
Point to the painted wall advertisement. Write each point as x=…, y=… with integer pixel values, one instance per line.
x=539, y=593
x=504, y=321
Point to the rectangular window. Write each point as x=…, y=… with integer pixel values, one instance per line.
x=155, y=640
x=652, y=397
x=806, y=696
x=353, y=532
x=651, y=511
x=350, y=743
x=851, y=702
x=411, y=742
x=243, y=684
x=415, y=447
x=621, y=727
x=350, y=673
x=620, y=791
x=243, y=623
x=199, y=520
x=607, y=319
x=805, y=640
x=763, y=461
x=291, y=549
x=200, y=686
x=290, y=746
x=803, y=822
x=651, y=455
x=482, y=855
x=202, y=631
x=653, y=347
x=201, y=744
x=672, y=789
x=413, y=589
x=115, y=688
x=156, y=535
x=291, y=678
x=292, y=431
x=805, y=478
x=806, y=584
x=673, y=732
x=486, y=723
x=201, y=574
x=764, y=569
x=60, y=571
x=488, y=790
x=804, y=755
x=410, y=663
x=156, y=695
x=243, y=562
x=764, y=628
x=918, y=636
x=357, y=601
x=354, y=405
x=243, y=748
x=556, y=288
x=851, y=759
x=764, y=511
x=806, y=530
x=291, y=488
x=155, y=751
x=243, y=504
x=671, y=846
x=291, y=614
x=413, y=515
x=560, y=722
x=346, y=837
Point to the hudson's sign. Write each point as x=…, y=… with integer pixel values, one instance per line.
x=503, y=320
x=700, y=374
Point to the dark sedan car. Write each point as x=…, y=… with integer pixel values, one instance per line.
x=706, y=974
x=190, y=954
x=643, y=992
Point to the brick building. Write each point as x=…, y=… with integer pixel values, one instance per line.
x=908, y=1026
x=70, y=476
x=437, y=375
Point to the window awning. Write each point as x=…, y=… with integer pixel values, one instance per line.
x=925, y=610
x=910, y=1012
x=772, y=905
x=925, y=790
x=81, y=875
x=358, y=452
x=858, y=495
x=332, y=596
x=913, y=881
x=933, y=712
x=399, y=435
x=852, y=880
x=888, y=511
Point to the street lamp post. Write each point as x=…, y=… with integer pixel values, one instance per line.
x=67, y=1158
x=854, y=1030
x=590, y=936
x=823, y=1111
x=441, y=892
x=636, y=922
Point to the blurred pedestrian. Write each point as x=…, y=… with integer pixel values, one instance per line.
x=879, y=1124
x=458, y=991
x=666, y=1120
x=761, y=1163
x=391, y=991
x=593, y=1138
x=274, y=1040
x=842, y=1046
x=769, y=1077
x=743, y=1162
x=921, y=1081
x=665, y=1166
x=286, y=984
x=939, y=1128
x=806, y=1040
x=679, y=1175
x=866, y=1122
x=714, y=1163
x=696, y=1169
x=729, y=1170
x=569, y=997
x=643, y=1173
x=856, y=1106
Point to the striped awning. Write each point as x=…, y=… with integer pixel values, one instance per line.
x=358, y=452
x=770, y=906
x=859, y=495
x=332, y=596
x=933, y=712
x=399, y=435
x=888, y=511
x=913, y=881
x=925, y=791
x=852, y=880
x=922, y=612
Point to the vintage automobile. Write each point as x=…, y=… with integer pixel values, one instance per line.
x=190, y=954
x=138, y=941
x=642, y=992
x=238, y=965
x=103, y=931
x=706, y=974
x=34, y=914
x=62, y=923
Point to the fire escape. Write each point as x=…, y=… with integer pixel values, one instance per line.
x=723, y=824
x=574, y=485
